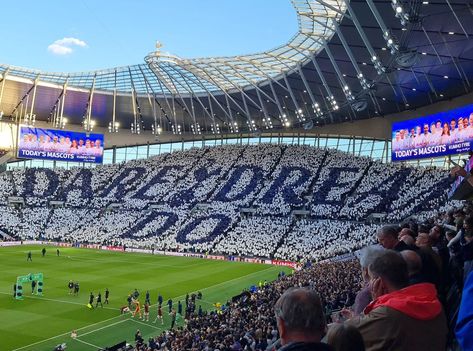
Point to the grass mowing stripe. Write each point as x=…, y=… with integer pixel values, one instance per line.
x=54, y=300
x=148, y=325
x=112, y=318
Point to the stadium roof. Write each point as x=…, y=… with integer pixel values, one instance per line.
x=349, y=60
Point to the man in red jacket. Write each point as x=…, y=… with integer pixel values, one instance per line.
x=400, y=317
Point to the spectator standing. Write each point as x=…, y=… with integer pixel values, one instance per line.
x=400, y=317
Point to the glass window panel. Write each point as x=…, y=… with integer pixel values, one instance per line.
x=120, y=157
x=286, y=141
x=165, y=148
x=187, y=145
x=331, y=143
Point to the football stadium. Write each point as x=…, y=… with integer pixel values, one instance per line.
x=304, y=183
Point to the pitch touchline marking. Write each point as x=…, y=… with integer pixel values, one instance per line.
x=88, y=343
x=61, y=301
x=109, y=319
x=104, y=327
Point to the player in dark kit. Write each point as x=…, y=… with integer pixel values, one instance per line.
x=107, y=294
x=136, y=294
x=33, y=286
x=170, y=305
x=160, y=300
x=179, y=309
x=71, y=287
x=76, y=288
x=91, y=301
x=43, y=251
x=57, y=252
x=147, y=298
x=99, y=300
x=28, y=258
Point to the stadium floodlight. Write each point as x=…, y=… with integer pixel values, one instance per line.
x=215, y=128
x=233, y=127
x=196, y=129
x=88, y=125
x=156, y=129
x=113, y=127
x=252, y=125
x=60, y=122
x=391, y=42
x=135, y=128
x=176, y=129
x=30, y=119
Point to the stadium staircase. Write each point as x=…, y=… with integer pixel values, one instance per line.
x=283, y=238
x=229, y=229
x=310, y=188
x=358, y=182
x=222, y=177
x=47, y=221
x=272, y=177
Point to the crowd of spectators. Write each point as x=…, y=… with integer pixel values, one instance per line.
x=321, y=239
x=400, y=295
x=191, y=200
x=248, y=322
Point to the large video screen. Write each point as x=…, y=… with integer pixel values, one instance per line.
x=60, y=145
x=441, y=134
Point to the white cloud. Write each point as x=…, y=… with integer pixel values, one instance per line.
x=65, y=46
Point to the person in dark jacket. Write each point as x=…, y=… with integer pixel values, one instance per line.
x=301, y=322
x=388, y=238
x=344, y=337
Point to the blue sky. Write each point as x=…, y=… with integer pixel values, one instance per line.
x=77, y=35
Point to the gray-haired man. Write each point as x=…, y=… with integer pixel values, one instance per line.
x=301, y=321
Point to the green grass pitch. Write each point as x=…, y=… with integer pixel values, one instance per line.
x=40, y=323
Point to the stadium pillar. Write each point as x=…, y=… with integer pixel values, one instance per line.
x=114, y=154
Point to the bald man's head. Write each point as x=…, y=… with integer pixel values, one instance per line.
x=413, y=261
